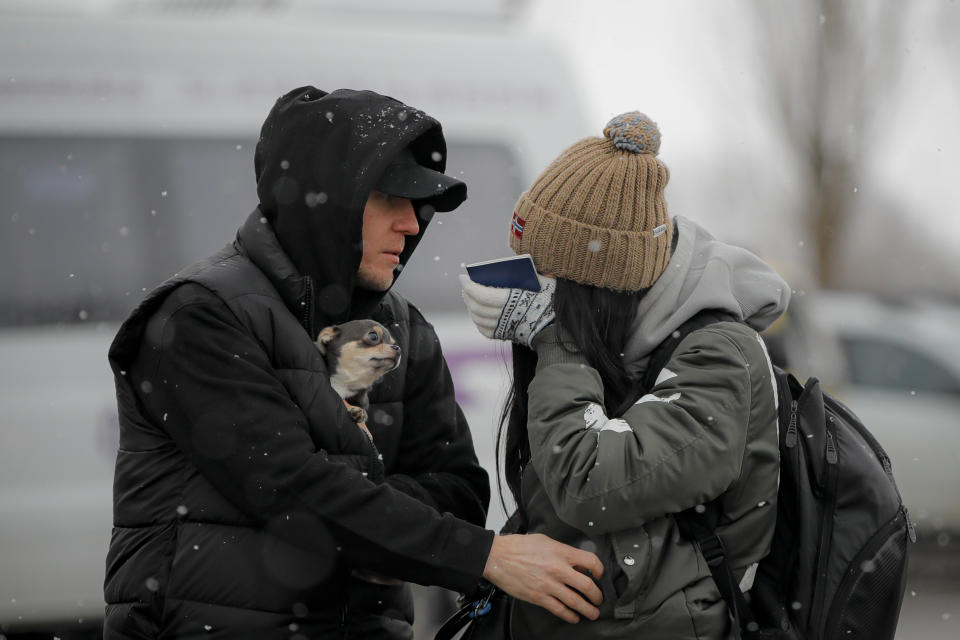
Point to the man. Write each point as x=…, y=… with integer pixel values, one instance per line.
x=244, y=495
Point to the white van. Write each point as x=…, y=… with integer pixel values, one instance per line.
x=126, y=146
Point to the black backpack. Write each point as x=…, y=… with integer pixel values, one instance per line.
x=837, y=564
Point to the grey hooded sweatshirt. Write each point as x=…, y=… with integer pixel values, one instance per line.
x=707, y=430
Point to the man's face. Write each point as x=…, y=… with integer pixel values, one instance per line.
x=387, y=220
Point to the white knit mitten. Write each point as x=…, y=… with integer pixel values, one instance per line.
x=516, y=315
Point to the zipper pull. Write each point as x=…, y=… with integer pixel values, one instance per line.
x=307, y=315
x=887, y=466
x=791, y=440
x=832, y=456
x=911, y=529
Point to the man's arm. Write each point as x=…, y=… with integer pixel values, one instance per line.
x=204, y=380
x=442, y=469
x=436, y=460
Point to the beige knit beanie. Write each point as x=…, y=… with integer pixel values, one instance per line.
x=597, y=215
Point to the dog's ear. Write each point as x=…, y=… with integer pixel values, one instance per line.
x=327, y=334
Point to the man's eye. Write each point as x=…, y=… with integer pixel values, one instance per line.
x=373, y=337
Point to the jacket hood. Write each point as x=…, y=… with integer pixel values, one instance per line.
x=705, y=273
x=317, y=159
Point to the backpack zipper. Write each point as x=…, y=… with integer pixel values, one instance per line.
x=831, y=455
x=307, y=317
x=832, y=474
x=790, y=441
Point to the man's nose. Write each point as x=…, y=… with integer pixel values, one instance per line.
x=407, y=222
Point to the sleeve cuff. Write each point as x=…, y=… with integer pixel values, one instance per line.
x=479, y=553
x=552, y=349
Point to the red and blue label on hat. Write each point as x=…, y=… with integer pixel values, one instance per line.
x=517, y=226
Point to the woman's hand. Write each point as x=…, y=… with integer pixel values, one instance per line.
x=517, y=315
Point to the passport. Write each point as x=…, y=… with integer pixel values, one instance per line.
x=515, y=272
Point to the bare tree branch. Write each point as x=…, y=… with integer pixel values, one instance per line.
x=827, y=63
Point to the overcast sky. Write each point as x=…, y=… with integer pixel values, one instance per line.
x=691, y=66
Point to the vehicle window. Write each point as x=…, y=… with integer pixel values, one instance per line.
x=67, y=228
x=90, y=224
x=881, y=364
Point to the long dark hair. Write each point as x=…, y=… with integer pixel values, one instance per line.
x=595, y=320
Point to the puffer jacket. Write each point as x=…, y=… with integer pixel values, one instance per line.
x=707, y=431
x=244, y=495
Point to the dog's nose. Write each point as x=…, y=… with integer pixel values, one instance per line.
x=395, y=347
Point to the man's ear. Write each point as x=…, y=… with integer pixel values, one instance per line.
x=327, y=334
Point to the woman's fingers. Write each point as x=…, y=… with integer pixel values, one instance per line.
x=483, y=295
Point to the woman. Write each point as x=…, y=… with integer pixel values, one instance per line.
x=591, y=457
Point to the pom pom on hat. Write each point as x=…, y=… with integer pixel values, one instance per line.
x=635, y=132
x=597, y=215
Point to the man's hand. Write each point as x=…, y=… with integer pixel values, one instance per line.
x=546, y=573
x=509, y=314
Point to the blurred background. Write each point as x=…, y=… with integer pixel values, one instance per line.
x=821, y=134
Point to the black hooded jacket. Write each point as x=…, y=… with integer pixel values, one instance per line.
x=243, y=493
x=317, y=159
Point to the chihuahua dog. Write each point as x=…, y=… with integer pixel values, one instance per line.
x=358, y=353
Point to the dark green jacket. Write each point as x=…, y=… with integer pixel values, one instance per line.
x=708, y=430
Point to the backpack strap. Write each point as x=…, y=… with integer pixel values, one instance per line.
x=661, y=355
x=699, y=527
x=695, y=527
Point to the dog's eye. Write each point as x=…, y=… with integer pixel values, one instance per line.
x=372, y=337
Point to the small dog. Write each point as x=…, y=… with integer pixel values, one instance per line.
x=358, y=353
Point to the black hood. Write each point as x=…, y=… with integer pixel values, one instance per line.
x=318, y=157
